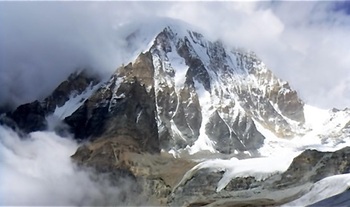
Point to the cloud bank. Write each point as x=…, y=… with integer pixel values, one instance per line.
x=305, y=43
x=37, y=171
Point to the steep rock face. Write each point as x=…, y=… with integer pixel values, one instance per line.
x=76, y=83
x=183, y=93
x=29, y=117
x=211, y=97
x=32, y=116
x=279, y=107
x=123, y=107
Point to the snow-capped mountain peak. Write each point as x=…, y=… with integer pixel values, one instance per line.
x=224, y=84
x=206, y=96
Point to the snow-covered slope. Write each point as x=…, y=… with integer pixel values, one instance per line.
x=323, y=189
x=211, y=98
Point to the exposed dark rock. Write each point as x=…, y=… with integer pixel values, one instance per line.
x=246, y=133
x=76, y=83
x=121, y=109
x=203, y=183
x=142, y=70
x=187, y=118
x=196, y=70
x=131, y=116
x=312, y=166
x=30, y=117
x=237, y=184
x=7, y=121
x=219, y=132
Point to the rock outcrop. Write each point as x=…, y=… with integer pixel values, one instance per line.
x=29, y=117
x=32, y=116
x=153, y=176
x=124, y=107
x=75, y=84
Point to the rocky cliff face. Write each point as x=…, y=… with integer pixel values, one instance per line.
x=32, y=116
x=75, y=84
x=210, y=97
x=124, y=107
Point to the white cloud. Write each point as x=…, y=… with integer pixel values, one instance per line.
x=37, y=170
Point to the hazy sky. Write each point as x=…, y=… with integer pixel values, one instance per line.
x=305, y=43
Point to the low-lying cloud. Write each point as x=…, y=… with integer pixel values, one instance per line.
x=37, y=171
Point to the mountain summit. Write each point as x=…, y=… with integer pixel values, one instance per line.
x=183, y=100
x=202, y=96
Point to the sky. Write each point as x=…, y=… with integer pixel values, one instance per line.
x=304, y=43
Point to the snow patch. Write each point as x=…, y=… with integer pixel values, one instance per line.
x=74, y=102
x=203, y=142
x=115, y=97
x=180, y=68
x=259, y=168
x=323, y=189
x=315, y=118
x=176, y=130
